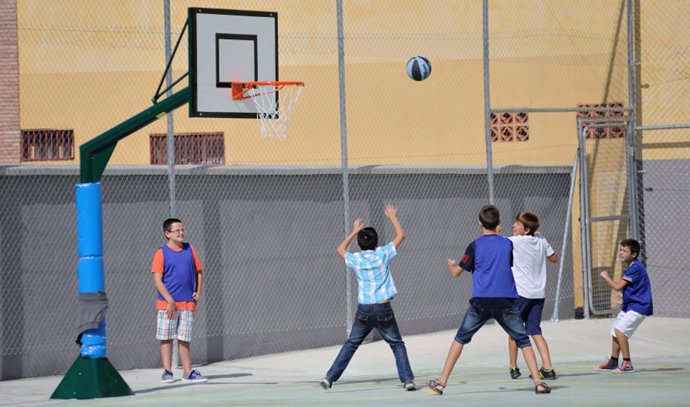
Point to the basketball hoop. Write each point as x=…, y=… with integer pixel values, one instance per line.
x=273, y=116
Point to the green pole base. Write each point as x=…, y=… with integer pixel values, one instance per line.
x=91, y=379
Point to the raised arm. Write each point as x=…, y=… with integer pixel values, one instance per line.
x=616, y=285
x=392, y=213
x=356, y=227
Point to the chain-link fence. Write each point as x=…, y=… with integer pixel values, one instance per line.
x=266, y=216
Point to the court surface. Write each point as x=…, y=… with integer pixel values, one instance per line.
x=660, y=351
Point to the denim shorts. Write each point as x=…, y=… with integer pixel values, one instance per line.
x=503, y=310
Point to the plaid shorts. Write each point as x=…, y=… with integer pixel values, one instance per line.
x=179, y=326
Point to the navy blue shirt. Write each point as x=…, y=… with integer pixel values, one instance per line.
x=637, y=294
x=489, y=259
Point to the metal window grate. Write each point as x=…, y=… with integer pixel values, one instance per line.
x=47, y=145
x=190, y=148
x=509, y=126
x=615, y=131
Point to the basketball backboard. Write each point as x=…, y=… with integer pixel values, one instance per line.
x=227, y=46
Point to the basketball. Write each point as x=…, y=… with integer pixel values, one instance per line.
x=418, y=68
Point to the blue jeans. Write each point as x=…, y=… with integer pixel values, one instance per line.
x=368, y=317
x=503, y=310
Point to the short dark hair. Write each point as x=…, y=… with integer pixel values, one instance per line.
x=367, y=238
x=167, y=225
x=489, y=217
x=633, y=245
x=529, y=220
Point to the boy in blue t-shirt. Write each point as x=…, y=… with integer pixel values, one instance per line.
x=636, y=305
x=489, y=258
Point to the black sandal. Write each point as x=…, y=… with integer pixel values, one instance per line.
x=436, y=386
x=545, y=389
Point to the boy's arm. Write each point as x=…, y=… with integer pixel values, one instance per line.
x=553, y=258
x=454, y=269
x=158, y=283
x=616, y=285
x=392, y=213
x=356, y=227
x=199, y=284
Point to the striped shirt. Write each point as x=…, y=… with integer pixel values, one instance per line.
x=374, y=281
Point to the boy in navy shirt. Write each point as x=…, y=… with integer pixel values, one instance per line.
x=636, y=305
x=489, y=258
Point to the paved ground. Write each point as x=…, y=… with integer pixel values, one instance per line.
x=661, y=355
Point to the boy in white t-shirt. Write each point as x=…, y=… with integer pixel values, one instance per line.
x=530, y=251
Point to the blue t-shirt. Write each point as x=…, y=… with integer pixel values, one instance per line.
x=637, y=294
x=489, y=259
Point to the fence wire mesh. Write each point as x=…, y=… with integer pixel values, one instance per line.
x=267, y=220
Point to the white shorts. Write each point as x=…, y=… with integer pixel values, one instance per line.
x=627, y=322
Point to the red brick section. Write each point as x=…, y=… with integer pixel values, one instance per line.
x=9, y=83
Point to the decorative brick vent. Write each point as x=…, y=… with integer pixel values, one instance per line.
x=509, y=126
x=190, y=148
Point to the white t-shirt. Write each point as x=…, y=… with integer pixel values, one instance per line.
x=529, y=264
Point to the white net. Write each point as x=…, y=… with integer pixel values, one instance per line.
x=274, y=103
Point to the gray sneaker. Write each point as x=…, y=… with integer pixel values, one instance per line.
x=325, y=383
x=194, y=377
x=409, y=385
x=167, y=377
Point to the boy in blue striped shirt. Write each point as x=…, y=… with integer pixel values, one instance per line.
x=376, y=289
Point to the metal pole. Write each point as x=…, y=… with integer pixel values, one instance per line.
x=171, y=145
x=487, y=111
x=171, y=133
x=583, y=221
x=566, y=230
x=630, y=139
x=343, y=158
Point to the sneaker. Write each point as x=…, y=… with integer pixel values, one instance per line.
x=325, y=383
x=547, y=374
x=409, y=385
x=167, y=377
x=626, y=367
x=515, y=373
x=609, y=365
x=195, y=377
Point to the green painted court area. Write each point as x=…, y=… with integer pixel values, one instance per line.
x=659, y=351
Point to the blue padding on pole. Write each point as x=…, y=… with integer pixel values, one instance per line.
x=89, y=220
x=90, y=274
x=94, y=343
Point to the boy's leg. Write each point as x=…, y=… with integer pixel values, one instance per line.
x=475, y=317
x=185, y=357
x=511, y=322
x=361, y=327
x=531, y=315
x=531, y=360
x=166, y=354
x=165, y=333
x=452, y=358
x=512, y=353
x=387, y=326
x=623, y=344
x=184, y=337
x=543, y=349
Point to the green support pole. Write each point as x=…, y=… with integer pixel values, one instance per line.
x=95, y=153
x=90, y=378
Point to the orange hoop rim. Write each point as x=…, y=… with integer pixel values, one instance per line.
x=240, y=89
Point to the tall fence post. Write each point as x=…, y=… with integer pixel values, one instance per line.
x=343, y=157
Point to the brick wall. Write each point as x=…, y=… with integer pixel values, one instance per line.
x=9, y=83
